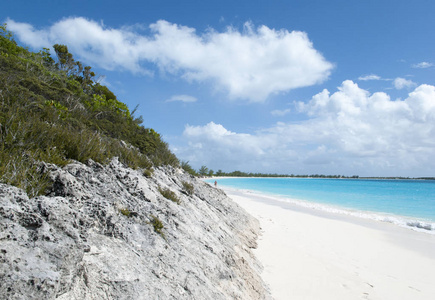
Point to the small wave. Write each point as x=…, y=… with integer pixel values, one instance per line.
x=417, y=225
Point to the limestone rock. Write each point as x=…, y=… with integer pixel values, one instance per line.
x=93, y=237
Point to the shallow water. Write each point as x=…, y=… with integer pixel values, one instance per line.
x=408, y=203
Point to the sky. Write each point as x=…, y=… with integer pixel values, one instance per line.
x=291, y=87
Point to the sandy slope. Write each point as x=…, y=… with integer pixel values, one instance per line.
x=309, y=254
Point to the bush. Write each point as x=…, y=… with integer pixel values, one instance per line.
x=125, y=212
x=158, y=226
x=188, y=188
x=168, y=194
x=148, y=173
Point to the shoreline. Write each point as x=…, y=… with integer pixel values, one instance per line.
x=408, y=222
x=314, y=254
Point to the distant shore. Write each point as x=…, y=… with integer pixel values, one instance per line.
x=309, y=254
x=323, y=177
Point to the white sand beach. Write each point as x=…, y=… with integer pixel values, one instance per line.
x=310, y=254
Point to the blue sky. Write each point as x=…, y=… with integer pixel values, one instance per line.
x=302, y=87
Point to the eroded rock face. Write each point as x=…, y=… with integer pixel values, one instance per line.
x=93, y=238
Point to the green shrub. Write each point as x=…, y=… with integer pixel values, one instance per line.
x=188, y=188
x=168, y=194
x=148, y=173
x=158, y=226
x=125, y=212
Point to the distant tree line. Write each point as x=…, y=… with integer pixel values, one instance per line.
x=206, y=172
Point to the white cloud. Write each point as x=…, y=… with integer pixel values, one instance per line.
x=423, y=65
x=250, y=64
x=26, y=33
x=214, y=143
x=369, y=77
x=350, y=131
x=182, y=98
x=280, y=113
x=401, y=83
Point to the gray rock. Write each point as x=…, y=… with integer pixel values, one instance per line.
x=92, y=237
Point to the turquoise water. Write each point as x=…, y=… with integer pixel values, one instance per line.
x=409, y=202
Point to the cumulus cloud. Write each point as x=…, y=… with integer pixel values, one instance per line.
x=216, y=134
x=29, y=35
x=90, y=41
x=401, y=83
x=349, y=130
x=182, y=98
x=214, y=143
x=249, y=64
x=423, y=65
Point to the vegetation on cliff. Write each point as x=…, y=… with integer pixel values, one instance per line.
x=54, y=110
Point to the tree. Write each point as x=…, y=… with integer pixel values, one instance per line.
x=74, y=68
x=186, y=167
x=66, y=60
x=203, y=171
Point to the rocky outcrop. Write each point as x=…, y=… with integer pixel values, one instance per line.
x=106, y=232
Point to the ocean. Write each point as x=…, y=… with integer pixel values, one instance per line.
x=407, y=203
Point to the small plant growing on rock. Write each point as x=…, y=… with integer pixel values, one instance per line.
x=128, y=213
x=148, y=173
x=158, y=226
x=188, y=187
x=125, y=212
x=168, y=194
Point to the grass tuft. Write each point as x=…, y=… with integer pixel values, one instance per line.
x=168, y=194
x=125, y=212
x=188, y=188
x=158, y=226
